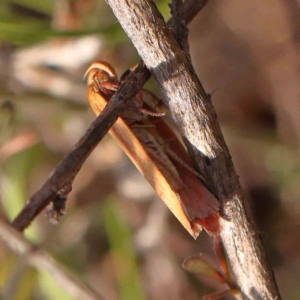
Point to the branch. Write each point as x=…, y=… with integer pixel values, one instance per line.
x=196, y=119
x=59, y=184
x=42, y=261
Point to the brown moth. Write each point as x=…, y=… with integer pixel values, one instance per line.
x=157, y=152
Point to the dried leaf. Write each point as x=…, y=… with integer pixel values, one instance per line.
x=197, y=265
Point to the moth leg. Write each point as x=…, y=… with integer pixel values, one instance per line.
x=179, y=160
x=97, y=86
x=142, y=126
x=153, y=101
x=152, y=113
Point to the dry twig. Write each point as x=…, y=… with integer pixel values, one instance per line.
x=41, y=260
x=196, y=119
x=59, y=184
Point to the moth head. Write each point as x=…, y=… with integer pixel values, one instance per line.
x=99, y=72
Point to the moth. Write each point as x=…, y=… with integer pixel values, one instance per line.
x=156, y=151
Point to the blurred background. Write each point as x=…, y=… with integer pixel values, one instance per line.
x=117, y=236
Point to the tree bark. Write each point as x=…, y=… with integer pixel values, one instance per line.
x=192, y=111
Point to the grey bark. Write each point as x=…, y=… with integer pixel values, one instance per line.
x=192, y=111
